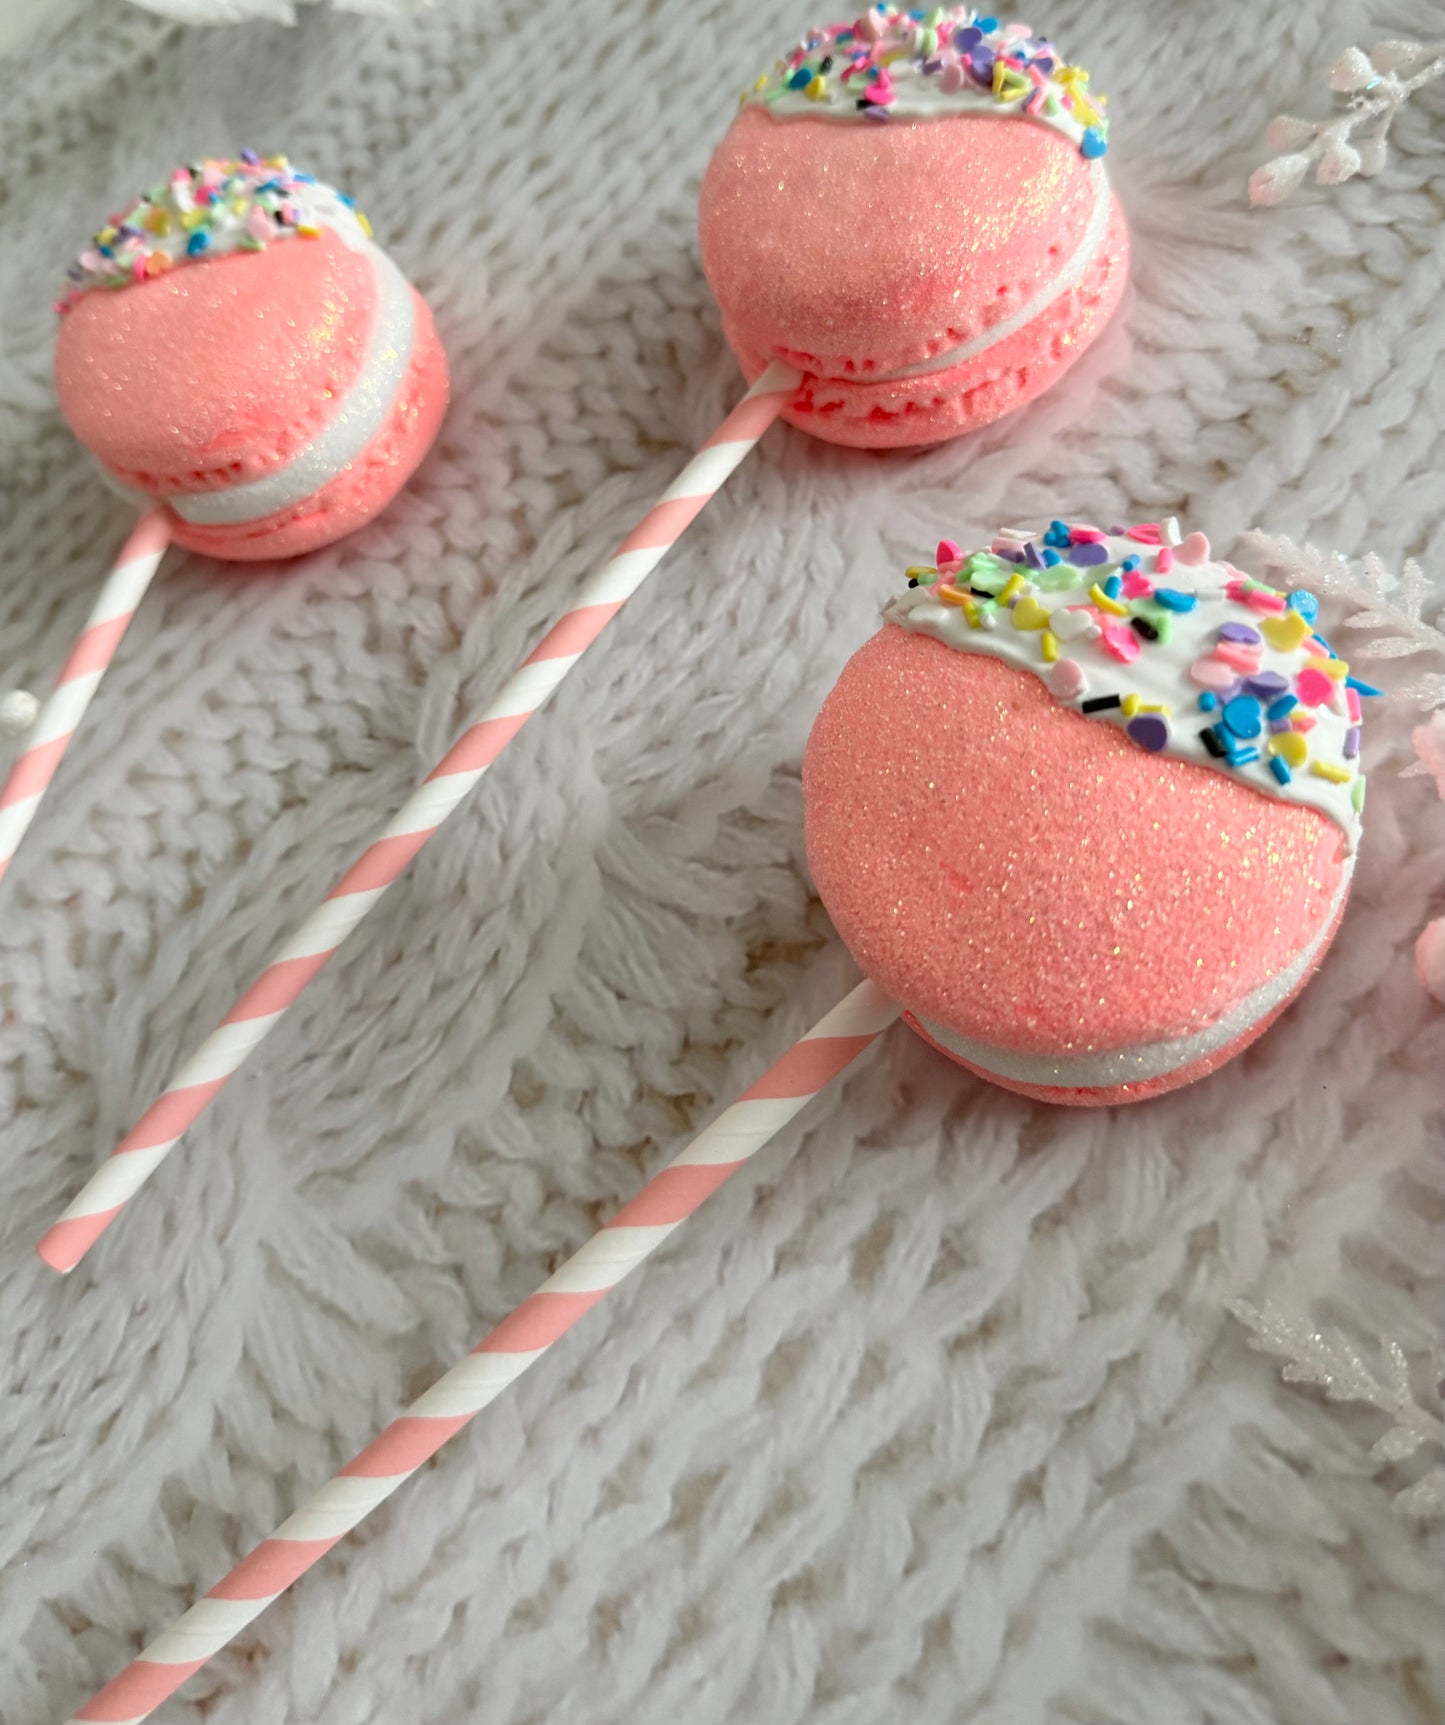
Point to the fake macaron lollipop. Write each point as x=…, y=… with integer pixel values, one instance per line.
x=1087, y=807
x=1085, y=811
x=913, y=210
x=242, y=358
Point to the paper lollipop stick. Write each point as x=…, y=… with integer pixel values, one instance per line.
x=90, y=657
x=276, y=990
x=668, y=1199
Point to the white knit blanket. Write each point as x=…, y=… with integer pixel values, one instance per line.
x=937, y=1413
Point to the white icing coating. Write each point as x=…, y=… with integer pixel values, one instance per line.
x=1070, y=277
x=207, y=211
x=360, y=414
x=916, y=67
x=1104, y=1069
x=1161, y=674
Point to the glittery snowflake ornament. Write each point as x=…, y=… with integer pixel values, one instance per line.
x=1329, y=1361
x=1378, y=85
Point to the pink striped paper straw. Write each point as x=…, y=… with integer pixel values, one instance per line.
x=59, y=719
x=262, y=1007
x=637, y=1230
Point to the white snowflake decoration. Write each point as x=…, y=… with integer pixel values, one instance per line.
x=1328, y=1360
x=1378, y=84
x=1390, y=607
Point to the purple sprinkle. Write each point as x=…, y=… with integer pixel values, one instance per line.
x=1352, y=742
x=1032, y=557
x=1087, y=553
x=1044, y=62
x=967, y=38
x=1149, y=730
x=1117, y=531
x=251, y=157
x=933, y=66
x=1268, y=685
x=980, y=65
x=1279, y=725
x=874, y=111
x=1240, y=632
x=1235, y=689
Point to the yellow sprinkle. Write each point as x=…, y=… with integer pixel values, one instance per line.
x=1012, y=589
x=158, y=221
x=761, y=81
x=950, y=595
x=1292, y=746
x=363, y=224
x=1130, y=704
x=816, y=91
x=1050, y=644
x=106, y=235
x=1335, y=668
x=1105, y=603
x=308, y=231
x=1085, y=111
x=277, y=162
x=1328, y=770
x=1155, y=707
x=192, y=219
x=918, y=571
x=970, y=610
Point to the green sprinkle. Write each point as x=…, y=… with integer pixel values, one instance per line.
x=1357, y=793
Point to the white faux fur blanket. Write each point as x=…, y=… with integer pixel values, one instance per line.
x=935, y=1415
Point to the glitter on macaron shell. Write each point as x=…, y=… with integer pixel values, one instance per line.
x=204, y=211
x=1206, y=663
x=933, y=61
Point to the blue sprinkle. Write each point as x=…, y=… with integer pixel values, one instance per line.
x=1113, y=586
x=1093, y=143
x=1208, y=701
x=197, y=243
x=988, y=25
x=1242, y=715
x=1305, y=603
x=1361, y=688
x=1173, y=600
x=1279, y=766
x=1050, y=557
x=1282, y=708
x=800, y=79
x=1129, y=564
x=1325, y=644
x=1242, y=757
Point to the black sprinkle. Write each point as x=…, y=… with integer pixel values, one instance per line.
x=1142, y=626
x=826, y=64
x=1101, y=704
x=982, y=593
x=1210, y=738
x=913, y=581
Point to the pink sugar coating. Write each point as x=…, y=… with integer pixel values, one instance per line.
x=1028, y=877
x=217, y=373
x=1104, y=1096
x=852, y=249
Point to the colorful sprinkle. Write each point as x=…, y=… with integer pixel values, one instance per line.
x=1290, y=746
x=1173, y=600
x=1314, y=688
x=218, y=207
x=1243, y=716
x=1280, y=768
x=1066, y=681
x=1328, y=770
x=918, y=62
x=1150, y=731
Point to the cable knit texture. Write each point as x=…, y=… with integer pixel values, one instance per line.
x=936, y=1413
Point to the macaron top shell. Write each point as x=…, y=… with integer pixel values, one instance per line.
x=855, y=251
x=1033, y=881
x=204, y=378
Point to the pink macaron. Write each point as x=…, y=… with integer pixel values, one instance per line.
x=1091, y=823
x=917, y=215
x=237, y=347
